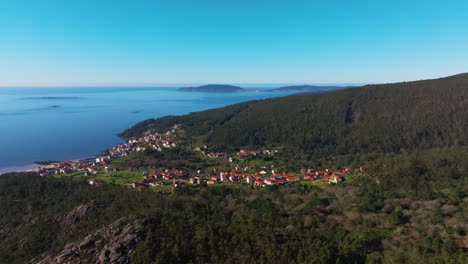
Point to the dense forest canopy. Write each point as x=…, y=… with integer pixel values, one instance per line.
x=373, y=118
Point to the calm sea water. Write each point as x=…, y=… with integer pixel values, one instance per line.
x=72, y=123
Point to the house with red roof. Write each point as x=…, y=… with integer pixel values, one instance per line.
x=335, y=178
x=259, y=183
x=269, y=182
x=292, y=178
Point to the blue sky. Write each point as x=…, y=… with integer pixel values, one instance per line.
x=205, y=41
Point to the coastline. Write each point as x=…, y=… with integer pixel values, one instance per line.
x=19, y=168
x=34, y=166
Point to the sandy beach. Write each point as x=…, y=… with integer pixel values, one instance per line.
x=20, y=168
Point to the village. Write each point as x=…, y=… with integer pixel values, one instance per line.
x=92, y=166
x=258, y=179
x=256, y=176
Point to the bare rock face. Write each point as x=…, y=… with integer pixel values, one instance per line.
x=69, y=222
x=87, y=242
x=111, y=244
x=121, y=240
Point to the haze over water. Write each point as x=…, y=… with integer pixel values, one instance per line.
x=72, y=123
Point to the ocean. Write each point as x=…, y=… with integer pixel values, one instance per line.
x=64, y=123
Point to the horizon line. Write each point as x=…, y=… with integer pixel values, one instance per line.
x=185, y=84
x=162, y=85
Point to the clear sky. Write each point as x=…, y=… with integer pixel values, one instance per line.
x=79, y=42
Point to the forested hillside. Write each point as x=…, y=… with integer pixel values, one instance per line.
x=369, y=119
x=49, y=220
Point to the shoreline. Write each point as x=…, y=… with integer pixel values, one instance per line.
x=34, y=166
x=19, y=168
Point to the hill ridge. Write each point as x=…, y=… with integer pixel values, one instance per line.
x=370, y=118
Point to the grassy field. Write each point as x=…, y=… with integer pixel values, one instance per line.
x=119, y=177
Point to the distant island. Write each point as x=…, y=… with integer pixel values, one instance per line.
x=225, y=88
x=213, y=88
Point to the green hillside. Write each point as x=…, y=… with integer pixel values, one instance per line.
x=369, y=119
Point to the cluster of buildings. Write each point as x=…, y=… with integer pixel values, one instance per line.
x=243, y=153
x=238, y=174
x=92, y=166
x=328, y=175
x=87, y=166
x=262, y=178
x=150, y=140
x=151, y=178
x=247, y=153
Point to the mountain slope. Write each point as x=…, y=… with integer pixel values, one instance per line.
x=372, y=118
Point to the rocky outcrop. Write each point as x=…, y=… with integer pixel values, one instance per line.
x=111, y=244
x=69, y=222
